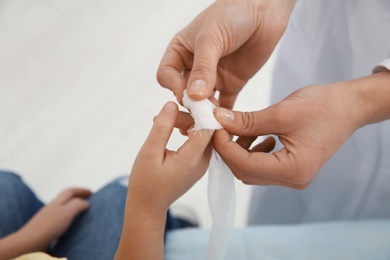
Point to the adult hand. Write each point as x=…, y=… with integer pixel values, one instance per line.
x=50, y=222
x=312, y=123
x=223, y=47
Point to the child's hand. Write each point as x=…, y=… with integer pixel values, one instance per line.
x=160, y=176
x=52, y=220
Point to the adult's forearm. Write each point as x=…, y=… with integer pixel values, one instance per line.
x=369, y=98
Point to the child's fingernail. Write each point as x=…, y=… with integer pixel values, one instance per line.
x=198, y=87
x=169, y=107
x=225, y=114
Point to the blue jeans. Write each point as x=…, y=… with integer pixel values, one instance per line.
x=94, y=234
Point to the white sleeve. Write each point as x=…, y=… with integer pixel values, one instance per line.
x=383, y=66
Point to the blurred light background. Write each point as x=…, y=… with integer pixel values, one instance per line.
x=78, y=91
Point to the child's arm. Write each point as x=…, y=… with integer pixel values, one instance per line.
x=158, y=178
x=47, y=225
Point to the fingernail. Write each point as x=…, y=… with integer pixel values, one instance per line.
x=225, y=114
x=197, y=87
x=169, y=107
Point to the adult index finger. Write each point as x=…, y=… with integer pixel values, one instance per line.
x=280, y=165
x=176, y=59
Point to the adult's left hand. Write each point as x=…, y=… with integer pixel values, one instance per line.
x=312, y=123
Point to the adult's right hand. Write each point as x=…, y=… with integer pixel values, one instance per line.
x=223, y=47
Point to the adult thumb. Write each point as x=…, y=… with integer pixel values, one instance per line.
x=203, y=75
x=253, y=123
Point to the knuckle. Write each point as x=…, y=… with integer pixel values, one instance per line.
x=280, y=112
x=163, y=78
x=247, y=121
x=161, y=128
x=302, y=186
x=299, y=171
x=160, y=76
x=68, y=193
x=82, y=202
x=202, y=66
x=214, y=36
x=240, y=174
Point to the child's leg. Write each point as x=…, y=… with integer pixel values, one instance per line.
x=95, y=234
x=18, y=203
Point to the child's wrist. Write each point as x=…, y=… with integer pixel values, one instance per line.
x=146, y=211
x=34, y=240
x=142, y=222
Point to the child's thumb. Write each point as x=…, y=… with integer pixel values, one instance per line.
x=162, y=129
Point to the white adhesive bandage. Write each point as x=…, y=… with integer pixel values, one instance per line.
x=202, y=112
x=221, y=192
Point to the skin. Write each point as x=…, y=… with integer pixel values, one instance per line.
x=223, y=47
x=47, y=225
x=159, y=177
x=312, y=124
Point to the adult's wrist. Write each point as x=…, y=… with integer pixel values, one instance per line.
x=369, y=98
x=275, y=11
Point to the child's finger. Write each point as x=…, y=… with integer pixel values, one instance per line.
x=196, y=144
x=184, y=121
x=161, y=131
x=76, y=205
x=71, y=193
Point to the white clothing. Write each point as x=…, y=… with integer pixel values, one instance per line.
x=346, y=240
x=328, y=41
x=383, y=66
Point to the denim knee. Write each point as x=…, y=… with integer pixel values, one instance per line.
x=10, y=183
x=95, y=233
x=122, y=180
